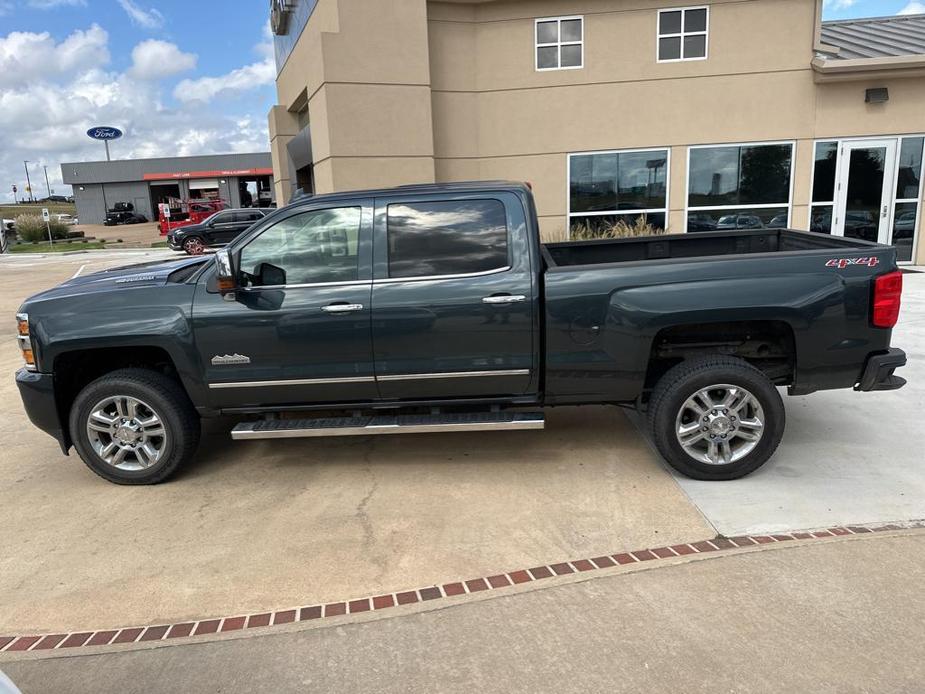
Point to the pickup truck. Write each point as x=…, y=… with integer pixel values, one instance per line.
x=436, y=308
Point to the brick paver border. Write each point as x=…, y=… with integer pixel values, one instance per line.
x=213, y=625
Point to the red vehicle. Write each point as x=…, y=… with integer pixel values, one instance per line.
x=188, y=212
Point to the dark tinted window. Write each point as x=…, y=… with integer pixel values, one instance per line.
x=910, y=168
x=223, y=218
x=447, y=238
x=307, y=248
x=247, y=216
x=617, y=181
x=824, y=172
x=748, y=175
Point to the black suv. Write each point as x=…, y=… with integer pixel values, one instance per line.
x=218, y=230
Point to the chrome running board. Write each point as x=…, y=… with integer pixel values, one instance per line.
x=388, y=424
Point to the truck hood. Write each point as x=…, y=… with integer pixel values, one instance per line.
x=152, y=274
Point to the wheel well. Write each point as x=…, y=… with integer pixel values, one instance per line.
x=766, y=345
x=74, y=370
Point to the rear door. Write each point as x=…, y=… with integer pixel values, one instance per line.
x=454, y=297
x=222, y=228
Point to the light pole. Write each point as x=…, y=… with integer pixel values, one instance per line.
x=28, y=181
x=47, y=187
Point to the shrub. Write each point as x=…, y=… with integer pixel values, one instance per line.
x=31, y=228
x=620, y=230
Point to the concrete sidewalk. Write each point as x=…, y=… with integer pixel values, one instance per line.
x=838, y=616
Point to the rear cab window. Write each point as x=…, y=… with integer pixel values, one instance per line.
x=440, y=238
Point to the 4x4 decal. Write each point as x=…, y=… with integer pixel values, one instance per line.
x=842, y=263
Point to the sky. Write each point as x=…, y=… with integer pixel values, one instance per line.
x=179, y=77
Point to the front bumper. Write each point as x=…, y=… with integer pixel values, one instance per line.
x=878, y=372
x=38, y=397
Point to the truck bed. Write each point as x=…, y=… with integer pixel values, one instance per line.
x=694, y=245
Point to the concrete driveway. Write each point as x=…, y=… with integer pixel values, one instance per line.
x=267, y=525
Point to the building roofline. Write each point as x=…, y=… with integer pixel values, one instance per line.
x=150, y=159
x=884, y=18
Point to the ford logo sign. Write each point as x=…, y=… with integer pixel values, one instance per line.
x=104, y=133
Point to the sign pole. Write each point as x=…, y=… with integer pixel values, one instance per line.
x=47, y=218
x=106, y=142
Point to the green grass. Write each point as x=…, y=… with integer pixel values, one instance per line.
x=58, y=247
x=159, y=244
x=13, y=211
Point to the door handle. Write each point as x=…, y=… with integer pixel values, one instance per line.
x=342, y=308
x=504, y=299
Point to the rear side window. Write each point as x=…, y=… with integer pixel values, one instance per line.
x=447, y=238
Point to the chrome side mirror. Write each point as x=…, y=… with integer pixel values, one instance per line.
x=225, y=274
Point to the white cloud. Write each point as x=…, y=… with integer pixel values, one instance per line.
x=242, y=79
x=26, y=56
x=154, y=59
x=839, y=4
x=914, y=7
x=148, y=19
x=52, y=92
x=50, y=4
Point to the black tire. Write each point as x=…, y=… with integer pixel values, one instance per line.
x=693, y=375
x=169, y=402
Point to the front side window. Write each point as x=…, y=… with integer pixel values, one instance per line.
x=308, y=248
x=683, y=34
x=447, y=238
x=608, y=190
x=739, y=187
x=559, y=43
x=223, y=218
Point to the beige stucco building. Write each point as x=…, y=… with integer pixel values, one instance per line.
x=722, y=114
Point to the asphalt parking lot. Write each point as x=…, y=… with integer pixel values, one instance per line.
x=267, y=525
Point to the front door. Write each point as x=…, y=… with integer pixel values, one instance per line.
x=223, y=228
x=298, y=330
x=864, y=197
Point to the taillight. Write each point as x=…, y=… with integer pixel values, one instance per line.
x=888, y=291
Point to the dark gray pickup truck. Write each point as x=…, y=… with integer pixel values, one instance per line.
x=436, y=308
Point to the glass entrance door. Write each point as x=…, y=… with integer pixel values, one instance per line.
x=865, y=190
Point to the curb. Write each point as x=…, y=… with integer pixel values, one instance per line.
x=217, y=626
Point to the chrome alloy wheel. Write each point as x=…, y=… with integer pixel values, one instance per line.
x=126, y=433
x=720, y=424
x=194, y=246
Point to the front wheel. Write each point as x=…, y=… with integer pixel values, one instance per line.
x=194, y=246
x=134, y=426
x=716, y=418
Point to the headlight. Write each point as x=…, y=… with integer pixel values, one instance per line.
x=25, y=341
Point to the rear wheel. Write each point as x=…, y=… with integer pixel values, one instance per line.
x=716, y=418
x=194, y=246
x=134, y=426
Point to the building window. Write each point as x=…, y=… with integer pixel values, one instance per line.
x=610, y=189
x=560, y=43
x=447, y=238
x=907, y=215
x=739, y=186
x=682, y=34
x=822, y=204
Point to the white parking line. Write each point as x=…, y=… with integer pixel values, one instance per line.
x=77, y=274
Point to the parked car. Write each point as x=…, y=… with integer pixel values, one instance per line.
x=436, y=308
x=123, y=213
x=905, y=224
x=219, y=229
x=740, y=221
x=68, y=219
x=779, y=222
